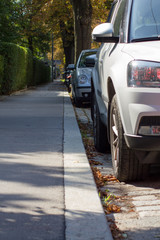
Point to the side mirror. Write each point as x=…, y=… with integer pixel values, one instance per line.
x=104, y=33
x=71, y=67
x=90, y=62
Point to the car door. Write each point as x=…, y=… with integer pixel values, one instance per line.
x=105, y=60
x=103, y=54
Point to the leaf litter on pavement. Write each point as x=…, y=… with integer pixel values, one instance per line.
x=109, y=200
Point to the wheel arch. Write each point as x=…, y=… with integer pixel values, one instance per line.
x=111, y=92
x=91, y=98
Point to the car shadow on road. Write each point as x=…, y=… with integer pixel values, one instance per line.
x=153, y=179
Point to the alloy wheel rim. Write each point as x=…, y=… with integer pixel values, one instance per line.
x=115, y=140
x=94, y=121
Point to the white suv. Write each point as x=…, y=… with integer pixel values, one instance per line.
x=125, y=103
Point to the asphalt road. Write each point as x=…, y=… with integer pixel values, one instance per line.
x=31, y=166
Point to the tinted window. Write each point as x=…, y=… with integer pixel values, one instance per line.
x=119, y=17
x=145, y=19
x=109, y=19
x=82, y=63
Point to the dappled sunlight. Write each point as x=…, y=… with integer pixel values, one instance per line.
x=39, y=170
x=28, y=183
x=35, y=225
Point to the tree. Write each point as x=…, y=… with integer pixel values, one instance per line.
x=30, y=23
x=34, y=34
x=100, y=11
x=67, y=34
x=8, y=29
x=82, y=11
x=59, y=19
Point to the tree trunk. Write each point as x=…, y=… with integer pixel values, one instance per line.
x=68, y=42
x=69, y=54
x=82, y=11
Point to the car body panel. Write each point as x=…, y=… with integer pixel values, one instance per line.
x=111, y=69
x=81, y=89
x=144, y=50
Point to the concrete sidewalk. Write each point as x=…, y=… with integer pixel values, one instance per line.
x=84, y=215
x=47, y=190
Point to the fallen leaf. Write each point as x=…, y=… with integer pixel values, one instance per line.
x=93, y=162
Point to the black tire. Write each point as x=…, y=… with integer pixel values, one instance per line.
x=92, y=103
x=72, y=94
x=76, y=101
x=99, y=130
x=126, y=166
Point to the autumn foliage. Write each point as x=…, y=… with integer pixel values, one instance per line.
x=31, y=23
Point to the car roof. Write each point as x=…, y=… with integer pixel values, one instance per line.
x=90, y=50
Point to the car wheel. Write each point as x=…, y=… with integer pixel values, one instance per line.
x=99, y=130
x=72, y=93
x=77, y=102
x=126, y=166
x=92, y=95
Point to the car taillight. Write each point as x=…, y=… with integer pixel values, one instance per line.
x=149, y=125
x=143, y=74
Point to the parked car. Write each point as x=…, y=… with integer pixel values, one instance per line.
x=81, y=77
x=126, y=87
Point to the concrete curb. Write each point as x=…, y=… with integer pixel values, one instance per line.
x=84, y=215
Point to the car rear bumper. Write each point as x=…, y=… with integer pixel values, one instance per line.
x=83, y=93
x=139, y=108
x=143, y=143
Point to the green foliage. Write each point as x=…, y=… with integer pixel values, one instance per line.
x=100, y=11
x=31, y=25
x=41, y=72
x=1, y=69
x=8, y=28
x=15, y=67
x=18, y=67
x=29, y=66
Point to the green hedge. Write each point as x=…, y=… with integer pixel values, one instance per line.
x=41, y=72
x=19, y=69
x=1, y=70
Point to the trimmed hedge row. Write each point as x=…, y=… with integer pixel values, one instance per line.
x=41, y=72
x=18, y=70
x=1, y=69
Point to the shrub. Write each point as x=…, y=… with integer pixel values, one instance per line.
x=1, y=70
x=41, y=72
x=29, y=67
x=16, y=62
x=19, y=68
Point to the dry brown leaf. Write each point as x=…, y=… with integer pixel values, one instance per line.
x=110, y=178
x=93, y=162
x=112, y=208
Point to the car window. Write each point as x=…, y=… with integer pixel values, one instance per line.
x=82, y=62
x=109, y=19
x=119, y=17
x=145, y=21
